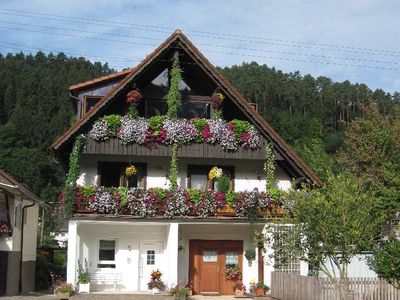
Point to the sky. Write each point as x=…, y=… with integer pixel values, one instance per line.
x=355, y=40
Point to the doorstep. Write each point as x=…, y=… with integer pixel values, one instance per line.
x=120, y=296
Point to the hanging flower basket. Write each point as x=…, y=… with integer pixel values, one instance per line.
x=133, y=97
x=214, y=173
x=131, y=170
x=216, y=100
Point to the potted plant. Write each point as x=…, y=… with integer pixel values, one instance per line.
x=83, y=277
x=156, y=284
x=260, y=289
x=63, y=290
x=240, y=290
x=180, y=291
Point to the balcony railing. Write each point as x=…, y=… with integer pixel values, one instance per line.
x=163, y=203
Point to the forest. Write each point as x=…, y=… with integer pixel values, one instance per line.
x=312, y=114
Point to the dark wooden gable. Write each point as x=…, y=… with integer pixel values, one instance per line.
x=199, y=73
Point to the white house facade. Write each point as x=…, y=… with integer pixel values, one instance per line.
x=19, y=210
x=128, y=224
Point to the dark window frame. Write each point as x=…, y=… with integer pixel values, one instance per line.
x=7, y=197
x=84, y=103
x=228, y=170
x=122, y=177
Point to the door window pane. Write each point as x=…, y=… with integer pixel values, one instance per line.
x=210, y=256
x=231, y=259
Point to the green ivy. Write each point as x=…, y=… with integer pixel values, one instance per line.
x=113, y=122
x=269, y=167
x=68, y=204
x=74, y=157
x=174, y=95
x=173, y=171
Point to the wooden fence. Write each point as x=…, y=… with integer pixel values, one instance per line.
x=296, y=287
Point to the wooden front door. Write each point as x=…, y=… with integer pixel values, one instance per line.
x=208, y=261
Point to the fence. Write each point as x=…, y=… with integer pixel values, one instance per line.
x=296, y=287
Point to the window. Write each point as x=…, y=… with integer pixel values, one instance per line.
x=197, y=177
x=106, y=259
x=151, y=257
x=210, y=256
x=5, y=211
x=231, y=259
x=89, y=102
x=284, y=262
x=112, y=174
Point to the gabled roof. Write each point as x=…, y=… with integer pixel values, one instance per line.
x=262, y=125
x=8, y=183
x=100, y=80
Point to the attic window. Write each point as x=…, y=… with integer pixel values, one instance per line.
x=89, y=102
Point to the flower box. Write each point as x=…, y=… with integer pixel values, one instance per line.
x=62, y=296
x=227, y=211
x=84, y=288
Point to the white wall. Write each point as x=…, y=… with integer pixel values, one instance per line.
x=248, y=173
x=128, y=236
x=13, y=243
x=358, y=267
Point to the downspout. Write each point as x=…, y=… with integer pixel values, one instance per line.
x=77, y=102
x=22, y=241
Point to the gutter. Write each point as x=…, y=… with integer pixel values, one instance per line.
x=22, y=240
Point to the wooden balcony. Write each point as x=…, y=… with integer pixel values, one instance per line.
x=202, y=150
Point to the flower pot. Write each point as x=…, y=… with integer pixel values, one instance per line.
x=84, y=287
x=239, y=293
x=260, y=292
x=156, y=291
x=227, y=211
x=63, y=295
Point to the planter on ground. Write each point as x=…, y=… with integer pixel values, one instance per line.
x=84, y=287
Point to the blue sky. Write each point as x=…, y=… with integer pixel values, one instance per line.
x=357, y=40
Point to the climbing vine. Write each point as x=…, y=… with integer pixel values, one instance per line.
x=269, y=166
x=74, y=157
x=174, y=95
x=173, y=170
x=68, y=193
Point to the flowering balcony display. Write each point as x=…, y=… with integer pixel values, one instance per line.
x=163, y=131
x=157, y=202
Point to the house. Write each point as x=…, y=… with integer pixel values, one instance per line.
x=143, y=223
x=19, y=211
